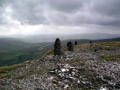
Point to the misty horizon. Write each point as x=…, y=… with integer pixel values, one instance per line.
x=51, y=37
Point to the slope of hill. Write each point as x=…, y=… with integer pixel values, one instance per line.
x=87, y=68
x=14, y=51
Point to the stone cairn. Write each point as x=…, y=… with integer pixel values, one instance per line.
x=70, y=46
x=76, y=43
x=91, y=43
x=57, y=47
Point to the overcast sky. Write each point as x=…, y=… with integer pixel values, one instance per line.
x=26, y=17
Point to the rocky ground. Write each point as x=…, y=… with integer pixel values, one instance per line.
x=87, y=68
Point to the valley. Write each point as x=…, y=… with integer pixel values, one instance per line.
x=15, y=51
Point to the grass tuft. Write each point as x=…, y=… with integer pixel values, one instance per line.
x=21, y=76
x=9, y=68
x=4, y=75
x=48, y=53
x=110, y=58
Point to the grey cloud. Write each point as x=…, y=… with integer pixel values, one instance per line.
x=108, y=10
x=107, y=7
x=66, y=5
x=103, y=12
x=29, y=11
x=65, y=12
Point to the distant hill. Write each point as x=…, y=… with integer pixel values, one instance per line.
x=83, y=37
x=80, y=41
x=6, y=43
x=108, y=40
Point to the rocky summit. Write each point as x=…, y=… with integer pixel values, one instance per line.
x=95, y=67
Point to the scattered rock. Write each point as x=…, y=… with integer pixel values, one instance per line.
x=81, y=69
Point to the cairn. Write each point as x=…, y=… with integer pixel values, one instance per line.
x=91, y=43
x=57, y=47
x=76, y=43
x=70, y=46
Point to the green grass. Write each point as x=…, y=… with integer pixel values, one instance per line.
x=111, y=44
x=5, y=69
x=4, y=75
x=20, y=76
x=49, y=52
x=110, y=58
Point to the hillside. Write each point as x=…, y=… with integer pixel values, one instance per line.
x=14, y=51
x=87, y=68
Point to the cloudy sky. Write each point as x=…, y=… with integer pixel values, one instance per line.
x=27, y=17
